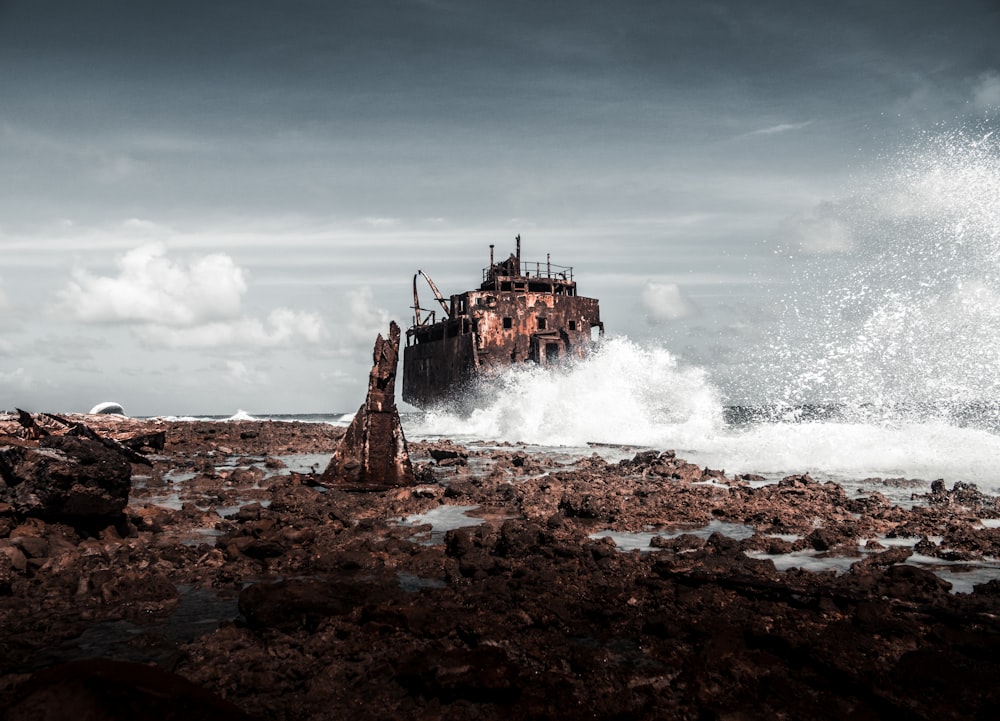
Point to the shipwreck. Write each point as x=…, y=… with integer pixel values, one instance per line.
x=522, y=312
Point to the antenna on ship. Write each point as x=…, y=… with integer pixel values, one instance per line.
x=518, y=239
x=491, y=255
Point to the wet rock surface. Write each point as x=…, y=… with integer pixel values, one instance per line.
x=372, y=455
x=238, y=575
x=66, y=477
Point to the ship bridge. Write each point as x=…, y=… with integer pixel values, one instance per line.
x=522, y=312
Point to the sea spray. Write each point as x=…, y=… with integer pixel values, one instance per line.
x=904, y=311
x=622, y=393
x=639, y=395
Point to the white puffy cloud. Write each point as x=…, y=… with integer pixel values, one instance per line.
x=281, y=328
x=152, y=288
x=192, y=304
x=818, y=233
x=986, y=91
x=364, y=319
x=664, y=302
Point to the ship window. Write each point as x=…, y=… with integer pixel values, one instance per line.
x=572, y=325
x=508, y=323
x=541, y=324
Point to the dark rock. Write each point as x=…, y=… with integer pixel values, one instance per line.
x=263, y=549
x=823, y=539
x=458, y=489
x=479, y=675
x=302, y=603
x=116, y=691
x=590, y=505
x=440, y=453
x=66, y=477
x=912, y=584
x=373, y=454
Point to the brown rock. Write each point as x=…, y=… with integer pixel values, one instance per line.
x=373, y=453
x=116, y=691
x=66, y=477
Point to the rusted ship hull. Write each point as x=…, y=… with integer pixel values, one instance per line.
x=521, y=313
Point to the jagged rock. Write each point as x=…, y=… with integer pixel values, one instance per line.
x=67, y=477
x=372, y=454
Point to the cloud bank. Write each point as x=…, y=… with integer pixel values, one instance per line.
x=664, y=302
x=183, y=304
x=365, y=319
x=281, y=328
x=152, y=288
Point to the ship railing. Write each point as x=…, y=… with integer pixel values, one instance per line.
x=530, y=269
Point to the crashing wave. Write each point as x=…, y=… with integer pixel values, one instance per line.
x=108, y=408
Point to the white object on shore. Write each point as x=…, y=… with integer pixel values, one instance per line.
x=108, y=408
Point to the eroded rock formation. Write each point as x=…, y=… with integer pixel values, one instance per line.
x=373, y=454
x=65, y=471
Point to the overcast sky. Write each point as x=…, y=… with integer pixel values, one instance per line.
x=215, y=205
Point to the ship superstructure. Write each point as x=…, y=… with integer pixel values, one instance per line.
x=522, y=312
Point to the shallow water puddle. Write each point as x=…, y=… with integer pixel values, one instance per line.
x=199, y=611
x=441, y=520
x=962, y=575
x=640, y=540
x=412, y=583
x=807, y=560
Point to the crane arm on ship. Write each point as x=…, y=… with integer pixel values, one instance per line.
x=416, y=303
x=437, y=293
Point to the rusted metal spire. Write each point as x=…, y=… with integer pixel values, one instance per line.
x=372, y=455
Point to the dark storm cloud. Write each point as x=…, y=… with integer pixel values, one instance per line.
x=481, y=62
x=457, y=107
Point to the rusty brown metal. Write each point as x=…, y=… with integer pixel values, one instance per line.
x=521, y=313
x=437, y=294
x=416, y=302
x=373, y=454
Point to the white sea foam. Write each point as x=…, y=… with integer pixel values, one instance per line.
x=630, y=394
x=623, y=393
x=921, y=450
x=910, y=311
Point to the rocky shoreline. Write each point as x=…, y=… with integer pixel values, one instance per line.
x=233, y=573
